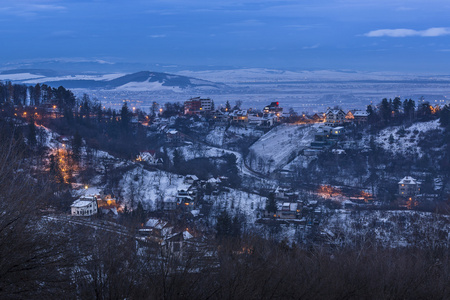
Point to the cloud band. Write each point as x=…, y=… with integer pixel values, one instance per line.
x=431, y=32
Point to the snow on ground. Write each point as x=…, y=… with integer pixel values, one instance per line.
x=150, y=188
x=39, y=79
x=216, y=136
x=279, y=146
x=301, y=160
x=20, y=76
x=237, y=202
x=146, y=86
x=405, y=143
x=219, y=136
x=47, y=137
x=390, y=228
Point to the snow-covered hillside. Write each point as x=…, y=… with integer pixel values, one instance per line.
x=405, y=140
x=152, y=188
x=279, y=146
x=149, y=188
x=220, y=136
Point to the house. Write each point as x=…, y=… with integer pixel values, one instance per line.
x=268, y=120
x=408, y=186
x=323, y=138
x=106, y=202
x=338, y=151
x=285, y=194
x=273, y=108
x=219, y=117
x=176, y=243
x=156, y=229
x=190, y=179
x=317, y=119
x=185, y=202
x=254, y=120
x=239, y=117
x=360, y=117
x=289, y=210
x=334, y=117
x=285, y=210
x=150, y=158
x=174, y=136
x=349, y=117
x=213, y=182
x=85, y=206
x=337, y=131
x=170, y=204
x=192, y=106
x=197, y=105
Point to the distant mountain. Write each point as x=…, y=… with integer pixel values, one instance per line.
x=140, y=81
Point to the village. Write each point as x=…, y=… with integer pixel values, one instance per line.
x=188, y=207
x=188, y=189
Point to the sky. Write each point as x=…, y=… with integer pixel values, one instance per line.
x=368, y=35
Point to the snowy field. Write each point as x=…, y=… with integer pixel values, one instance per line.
x=279, y=146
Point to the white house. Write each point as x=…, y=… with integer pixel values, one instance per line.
x=408, y=186
x=85, y=206
x=335, y=117
x=150, y=157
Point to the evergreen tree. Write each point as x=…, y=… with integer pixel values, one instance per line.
x=32, y=133
x=391, y=139
x=385, y=110
x=76, y=145
x=227, y=106
x=445, y=116
x=271, y=204
x=224, y=225
x=396, y=105
x=178, y=160
x=125, y=117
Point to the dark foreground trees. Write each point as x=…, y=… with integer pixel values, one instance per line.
x=34, y=260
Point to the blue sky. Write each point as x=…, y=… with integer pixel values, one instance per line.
x=373, y=35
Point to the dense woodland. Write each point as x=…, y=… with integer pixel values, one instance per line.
x=41, y=258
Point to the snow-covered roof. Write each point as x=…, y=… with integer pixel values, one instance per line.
x=289, y=206
x=81, y=203
x=239, y=113
x=335, y=111
x=360, y=113
x=408, y=180
x=193, y=177
x=155, y=223
x=187, y=235
x=338, y=151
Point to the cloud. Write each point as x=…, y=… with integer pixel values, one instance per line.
x=157, y=36
x=311, y=47
x=430, y=32
x=247, y=23
x=27, y=9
